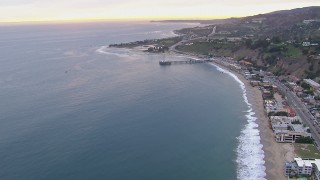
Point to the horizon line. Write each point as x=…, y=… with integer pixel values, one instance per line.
x=115, y=20
x=132, y=19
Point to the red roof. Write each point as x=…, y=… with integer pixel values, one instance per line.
x=245, y=62
x=290, y=110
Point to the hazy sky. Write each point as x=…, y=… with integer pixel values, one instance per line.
x=42, y=10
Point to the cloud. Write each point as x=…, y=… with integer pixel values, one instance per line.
x=15, y=2
x=113, y=9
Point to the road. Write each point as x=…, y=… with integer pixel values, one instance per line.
x=301, y=110
x=173, y=47
x=183, y=41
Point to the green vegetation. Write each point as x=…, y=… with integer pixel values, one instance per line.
x=307, y=88
x=252, y=25
x=305, y=85
x=309, y=92
x=206, y=48
x=292, y=51
x=304, y=140
x=260, y=43
x=296, y=122
x=277, y=114
x=279, y=42
x=200, y=31
x=302, y=177
x=168, y=41
x=197, y=47
x=306, y=151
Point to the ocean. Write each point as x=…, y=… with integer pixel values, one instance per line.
x=72, y=108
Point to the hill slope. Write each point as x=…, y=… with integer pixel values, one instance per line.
x=285, y=42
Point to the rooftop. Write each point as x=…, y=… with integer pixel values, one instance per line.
x=312, y=83
x=302, y=162
x=307, y=162
x=298, y=127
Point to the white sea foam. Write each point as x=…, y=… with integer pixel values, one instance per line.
x=250, y=163
x=106, y=50
x=169, y=34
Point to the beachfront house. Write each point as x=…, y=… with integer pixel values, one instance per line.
x=280, y=123
x=286, y=119
x=292, y=133
x=302, y=167
x=267, y=94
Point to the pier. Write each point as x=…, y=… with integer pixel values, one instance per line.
x=190, y=61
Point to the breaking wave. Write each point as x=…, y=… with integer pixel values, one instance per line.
x=250, y=163
x=111, y=51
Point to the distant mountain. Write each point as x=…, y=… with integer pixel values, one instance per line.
x=282, y=17
x=212, y=21
x=287, y=17
x=304, y=10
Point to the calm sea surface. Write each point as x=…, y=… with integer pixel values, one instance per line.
x=73, y=109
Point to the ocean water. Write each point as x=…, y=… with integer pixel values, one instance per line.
x=72, y=108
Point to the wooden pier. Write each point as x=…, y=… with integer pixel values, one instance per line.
x=190, y=61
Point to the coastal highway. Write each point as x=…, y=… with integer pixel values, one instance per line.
x=301, y=110
x=173, y=47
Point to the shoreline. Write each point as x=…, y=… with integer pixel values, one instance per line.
x=250, y=154
x=275, y=154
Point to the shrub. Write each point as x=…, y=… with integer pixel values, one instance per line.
x=304, y=140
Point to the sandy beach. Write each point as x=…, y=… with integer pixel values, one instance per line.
x=275, y=153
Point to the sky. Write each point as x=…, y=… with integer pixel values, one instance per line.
x=53, y=10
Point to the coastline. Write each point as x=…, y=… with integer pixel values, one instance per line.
x=250, y=154
x=275, y=154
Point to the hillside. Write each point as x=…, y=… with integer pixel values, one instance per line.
x=285, y=42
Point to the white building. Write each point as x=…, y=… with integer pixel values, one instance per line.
x=312, y=83
x=306, y=44
x=288, y=136
x=291, y=134
x=284, y=119
x=308, y=21
x=303, y=167
x=316, y=169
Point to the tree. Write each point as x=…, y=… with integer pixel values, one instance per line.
x=309, y=92
x=296, y=122
x=304, y=140
x=276, y=40
x=305, y=86
x=248, y=43
x=305, y=51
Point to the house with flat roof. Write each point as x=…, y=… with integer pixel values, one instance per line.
x=288, y=136
x=302, y=167
x=281, y=123
x=312, y=83
x=291, y=134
